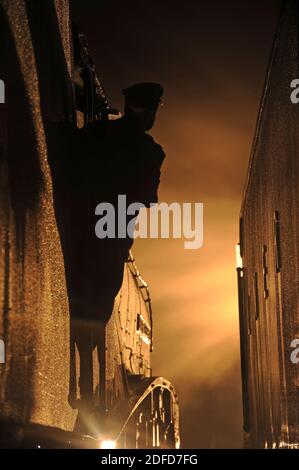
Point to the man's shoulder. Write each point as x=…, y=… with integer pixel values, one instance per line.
x=153, y=146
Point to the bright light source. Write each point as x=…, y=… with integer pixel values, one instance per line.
x=238, y=256
x=109, y=444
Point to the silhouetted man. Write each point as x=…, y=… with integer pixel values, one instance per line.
x=111, y=158
x=105, y=159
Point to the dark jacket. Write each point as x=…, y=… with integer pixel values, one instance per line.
x=106, y=159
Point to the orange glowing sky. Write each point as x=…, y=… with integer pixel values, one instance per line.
x=194, y=292
x=212, y=60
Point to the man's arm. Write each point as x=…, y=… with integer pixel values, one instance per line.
x=149, y=180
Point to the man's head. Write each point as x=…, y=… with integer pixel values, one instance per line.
x=142, y=101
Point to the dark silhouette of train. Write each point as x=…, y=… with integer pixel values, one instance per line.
x=268, y=268
x=51, y=84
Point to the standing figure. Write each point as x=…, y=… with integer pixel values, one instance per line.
x=112, y=158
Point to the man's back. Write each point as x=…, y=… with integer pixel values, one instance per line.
x=122, y=159
x=107, y=159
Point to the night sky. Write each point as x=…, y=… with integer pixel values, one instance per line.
x=211, y=58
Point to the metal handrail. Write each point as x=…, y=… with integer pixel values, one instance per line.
x=142, y=286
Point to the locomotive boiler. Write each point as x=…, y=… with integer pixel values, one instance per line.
x=51, y=85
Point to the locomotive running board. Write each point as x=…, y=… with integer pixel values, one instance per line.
x=147, y=418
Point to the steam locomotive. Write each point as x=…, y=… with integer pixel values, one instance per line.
x=51, y=82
